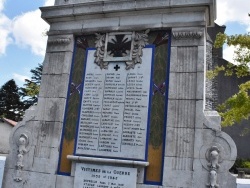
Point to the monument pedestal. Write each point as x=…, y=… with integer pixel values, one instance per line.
x=101, y=172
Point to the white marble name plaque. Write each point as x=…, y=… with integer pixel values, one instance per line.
x=114, y=109
x=94, y=176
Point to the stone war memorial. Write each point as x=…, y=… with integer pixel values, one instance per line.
x=122, y=101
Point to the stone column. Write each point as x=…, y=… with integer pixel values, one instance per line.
x=35, y=141
x=197, y=153
x=185, y=99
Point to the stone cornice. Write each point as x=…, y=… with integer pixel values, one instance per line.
x=57, y=41
x=179, y=35
x=67, y=10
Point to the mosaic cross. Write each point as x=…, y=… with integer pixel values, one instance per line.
x=160, y=88
x=74, y=88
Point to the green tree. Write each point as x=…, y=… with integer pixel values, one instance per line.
x=237, y=107
x=30, y=91
x=11, y=106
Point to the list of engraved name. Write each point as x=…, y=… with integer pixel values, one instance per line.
x=113, y=112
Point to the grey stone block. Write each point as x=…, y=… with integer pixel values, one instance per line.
x=181, y=113
x=198, y=142
x=66, y=25
x=60, y=43
x=183, y=59
x=142, y=21
x=176, y=18
x=200, y=86
x=47, y=134
x=188, y=36
x=189, y=2
x=88, y=8
x=171, y=177
x=142, y=4
x=100, y=24
x=46, y=162
x=73, y=168
x=58, y=12
x=51, y=109
x=201, y=59
x=180, y=144
x=119, y=6
x=173, y=59
x=201, y=178
x=187, y=42
x=199, y=114
x=57, y=63
x=182, y=85
x=146, y=186
x=30, y=180
x=140, y=175
x=54, y=86
x=64, y=181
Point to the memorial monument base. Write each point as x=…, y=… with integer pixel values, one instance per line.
x=100, y=172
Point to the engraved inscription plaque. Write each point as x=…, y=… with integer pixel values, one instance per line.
x=92, y=176
x=114, y=109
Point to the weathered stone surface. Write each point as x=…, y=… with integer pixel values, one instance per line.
x=121, y=5
x=184, y=59
x=172, y=175
x=100, y=24
x=147, y=186
x=51, y=109
x=141, y=20
x=177, y=19
x=182, y=86
x=61, y=43
x=30, y=180
x=140, y=175
x=57, y=63
x=85, y=9
x=64, y=181
x=106, y=6
x=199, y=114
x=201, y=59
x=181, y=114
x=47, y=161
x=142, y=4
x=54, y=86
x=200, y=91
x=186, y=37
x=180, y=144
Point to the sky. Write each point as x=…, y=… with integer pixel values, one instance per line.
x=23, y=39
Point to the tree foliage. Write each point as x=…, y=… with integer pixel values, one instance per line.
x=237, y=107
x=31, y=87
x=10, y=105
